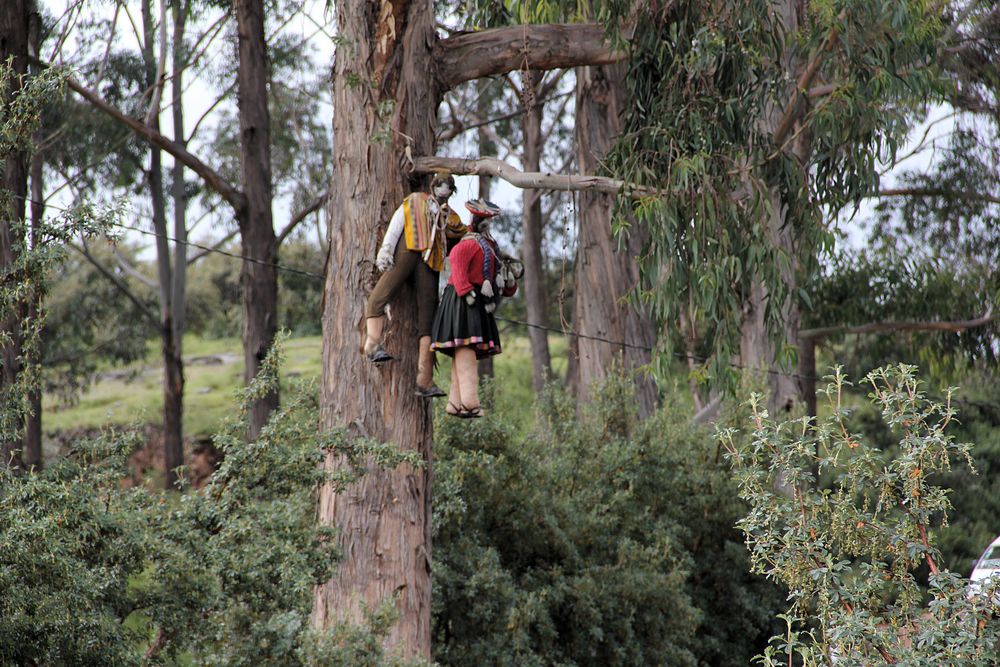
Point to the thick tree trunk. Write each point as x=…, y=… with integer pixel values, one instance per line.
x=14, y=47
x=605, y=273
x=384, y=519
x=758, y=352
x=259, y=277
x=531, y=246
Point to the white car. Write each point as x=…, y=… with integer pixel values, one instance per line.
x=987, y=567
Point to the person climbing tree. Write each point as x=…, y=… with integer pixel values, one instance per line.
x=413, y=249
x=464, y=327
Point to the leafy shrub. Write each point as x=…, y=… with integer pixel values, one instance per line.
x=850, y=554
x=95, y=574
x=593, y=541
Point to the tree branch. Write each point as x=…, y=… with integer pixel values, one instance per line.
x=310, y=208
x=475, y=55
x=802, y=85
x=877, y=327
x=489, y=166
x=208, y=251
x=212, y=178
x=937, y=192
x=122, y=287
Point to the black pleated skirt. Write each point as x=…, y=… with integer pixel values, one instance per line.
x=457, y=324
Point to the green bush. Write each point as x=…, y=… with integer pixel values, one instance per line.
x=851, y=553
x=95, y=574
x=590, y=541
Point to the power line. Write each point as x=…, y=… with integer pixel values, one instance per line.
x=275, y=265
x=562, y=331
x=645, y=348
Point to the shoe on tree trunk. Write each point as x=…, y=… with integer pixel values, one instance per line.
x=374, y=351
x=432, y=391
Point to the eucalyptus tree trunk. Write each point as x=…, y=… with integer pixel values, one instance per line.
x=13, y=49
x=605, y=273
x=258, y=276
x=33, y=420
x=531, y=245
x=761, y=354
x=174, y=289
x=173, y=379
x=178, y=188
x=389, y=53
x=384, y=518
x=485, y=181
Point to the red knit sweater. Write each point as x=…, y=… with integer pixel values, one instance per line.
x=467, y=268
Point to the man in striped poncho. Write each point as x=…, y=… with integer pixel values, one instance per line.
x=413, y=250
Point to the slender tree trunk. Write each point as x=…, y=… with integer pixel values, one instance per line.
x=33, y=420
x=173, y=376
x=13, y=47
x=384, y=518
x=178, y=189
x=605, y=273
x=258, y=277
x=174, y=290
x=531, y=246
x=485, y=181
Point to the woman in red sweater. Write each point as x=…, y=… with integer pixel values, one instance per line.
x=464, y=326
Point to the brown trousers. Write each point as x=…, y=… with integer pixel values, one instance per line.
x=408, y=266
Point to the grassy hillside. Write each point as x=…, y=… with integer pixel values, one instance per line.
x=214, y=372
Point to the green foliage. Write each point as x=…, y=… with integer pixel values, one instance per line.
x=849, y=554
x=26, y=275
x=890, y=286
x=93, y=573
x=976, y=497
x=587, y=541
x=88, y=324
x=726, y=208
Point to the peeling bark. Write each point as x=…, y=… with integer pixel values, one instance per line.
x=384, y=519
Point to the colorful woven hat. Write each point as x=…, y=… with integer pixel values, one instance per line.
x=482, y=208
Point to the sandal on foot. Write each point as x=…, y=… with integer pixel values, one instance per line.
x=451, y=406
x=470, y=413
x=432, y=391
x=379, y=355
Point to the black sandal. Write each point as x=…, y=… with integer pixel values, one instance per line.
x=470, y=413
x=379, y=355
x=432, y=391
x=457, y=410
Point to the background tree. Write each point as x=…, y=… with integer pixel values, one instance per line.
x=606, y=270
x=737, y=219
x=14, y=26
